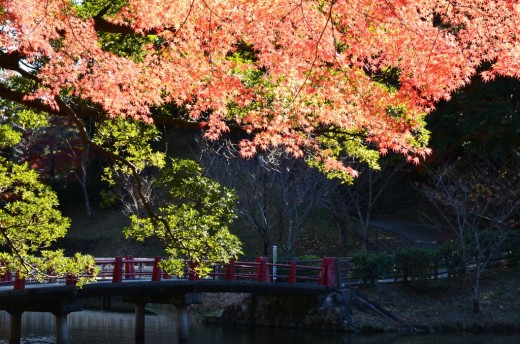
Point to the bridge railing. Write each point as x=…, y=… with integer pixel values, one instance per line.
x=121, y=268
x=261, y=270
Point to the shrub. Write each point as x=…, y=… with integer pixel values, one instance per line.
x=372, y=266
x=108, y=199
x=414, y=262
x=511, y=249
x=450, y=255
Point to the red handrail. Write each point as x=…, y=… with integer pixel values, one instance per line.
x=129, y=267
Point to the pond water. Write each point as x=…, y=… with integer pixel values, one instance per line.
x=90, y=327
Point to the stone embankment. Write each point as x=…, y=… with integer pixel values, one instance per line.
x=276, y=311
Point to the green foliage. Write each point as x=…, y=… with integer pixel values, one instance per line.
x=15, y=120
x=128, y=46
x=31, y=222
x=450, y=254
x=131, y=140
x=511, y=248
x=91, y=8
x=30, y=119
x=108, y=199
x=56, y=264
x=372, y=266
x=122, y=44
x=8, y=136
x=345, y=146
x=257, y=80
x=193, y=219
x=388, y=78
x=481, y=120
x=415, y=262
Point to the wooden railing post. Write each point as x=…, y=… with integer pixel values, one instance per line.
x=328, y=272
x=156, y=272
x=117, y=275
x=19, y=283
x=192, y=273
x=292, y=272
x=70, y=279
x=262, y=270
x=230, y=270
x=129, y=267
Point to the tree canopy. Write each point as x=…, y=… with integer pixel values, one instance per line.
x=286, y=72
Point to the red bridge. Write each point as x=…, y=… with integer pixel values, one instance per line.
x=141, y=281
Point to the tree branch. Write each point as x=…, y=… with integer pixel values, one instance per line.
x=19, y=98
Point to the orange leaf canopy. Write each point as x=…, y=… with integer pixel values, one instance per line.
x=320, y=65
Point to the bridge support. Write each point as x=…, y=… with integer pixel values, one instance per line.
x=62, y=328
x=16, y=328
x=58, y=301
x=183, y=323
x=139, y=320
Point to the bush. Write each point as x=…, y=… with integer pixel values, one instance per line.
x=450, y=256
x=511, y=249
x=414, y=262
x=372, y=266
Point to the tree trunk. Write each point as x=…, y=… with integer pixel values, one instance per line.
x=476, y=288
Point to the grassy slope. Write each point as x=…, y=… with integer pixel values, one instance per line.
x=446, y=305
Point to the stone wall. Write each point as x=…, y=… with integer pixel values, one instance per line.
x=284, y=311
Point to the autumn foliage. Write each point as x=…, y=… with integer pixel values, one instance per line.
x=284, y=71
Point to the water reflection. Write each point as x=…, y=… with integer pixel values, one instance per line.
x=89, y=327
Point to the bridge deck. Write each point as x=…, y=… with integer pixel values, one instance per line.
x=42, y=297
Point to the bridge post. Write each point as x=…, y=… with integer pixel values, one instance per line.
x=328, y=272
x=262, y=270
x=129, y=267
x=16, y=327
x=230, y=270
x=62, y=328
x=156, y=272
x=117, y=276
x=19, y=283
x=183, y=323
x=292, y=272
x=139, y=320
x=71, y=279
x=192, y=274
